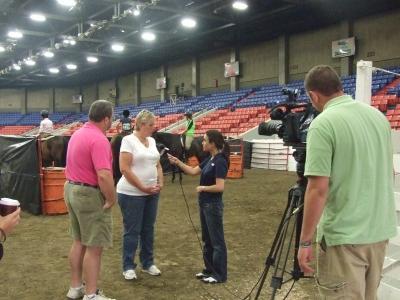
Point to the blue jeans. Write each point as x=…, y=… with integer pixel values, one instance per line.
x=214, y=249
x=139, y=215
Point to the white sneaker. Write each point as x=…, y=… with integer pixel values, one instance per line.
x=99, y=296
x=76, y=293
x=210, y=280
x=153, y=270
x=129, y=274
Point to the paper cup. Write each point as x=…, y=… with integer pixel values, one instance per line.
x=8, y=206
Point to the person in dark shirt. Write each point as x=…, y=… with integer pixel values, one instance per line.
x=126, y=122
x=213, y=171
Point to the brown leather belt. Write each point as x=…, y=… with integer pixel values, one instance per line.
x=83, y=184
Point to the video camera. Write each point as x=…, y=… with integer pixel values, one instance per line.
x=290, y=120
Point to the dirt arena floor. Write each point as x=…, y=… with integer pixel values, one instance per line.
x=35, y=265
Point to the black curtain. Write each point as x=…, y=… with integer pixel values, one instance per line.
x=19, y=171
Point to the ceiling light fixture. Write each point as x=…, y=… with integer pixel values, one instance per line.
x=69, y=41
x=37, y=17
x=15, y=34
x=2, y=49
x=48, y=54
x=136, y=12
x=71, y=66
x=188, y=22
x=54, y=70
x=69, y=3
x=92, y=59
x=240, y=5
x=16, y=67
x=117, y=47
x=148, y=36
x=30, y=62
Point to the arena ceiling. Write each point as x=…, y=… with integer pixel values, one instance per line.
x=91, y=27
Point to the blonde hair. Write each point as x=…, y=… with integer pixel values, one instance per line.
x=143, y=117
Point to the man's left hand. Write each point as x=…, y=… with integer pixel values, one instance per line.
x=305, y=256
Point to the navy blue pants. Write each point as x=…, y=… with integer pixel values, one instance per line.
x=214, y=248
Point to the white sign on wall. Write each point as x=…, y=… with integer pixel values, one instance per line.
x=343, y=47
x=161, y=83
x=231, y=69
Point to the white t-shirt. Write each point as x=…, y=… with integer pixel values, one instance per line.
x=46, y=126
x=144, y=164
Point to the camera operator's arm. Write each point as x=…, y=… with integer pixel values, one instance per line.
x=314, y=203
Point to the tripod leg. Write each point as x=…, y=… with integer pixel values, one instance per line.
x=277, y=243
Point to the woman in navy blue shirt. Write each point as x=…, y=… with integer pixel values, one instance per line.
x=212, y=172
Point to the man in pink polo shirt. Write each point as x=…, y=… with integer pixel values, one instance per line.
x=89, y=194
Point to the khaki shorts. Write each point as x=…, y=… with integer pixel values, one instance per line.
x=349, y=271
x=89, y=222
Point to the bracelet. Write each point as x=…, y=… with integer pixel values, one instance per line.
x=305, y=244
x=3, y=235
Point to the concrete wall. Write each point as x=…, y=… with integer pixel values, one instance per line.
x=104, y=90
x=148, y=85
x=11, y=99
x=378, y=39
x=38, y=99
x=63, y=99
x=259, y=64
x=212, y=69
x=312, y=48
x=180, y=72
x=126, y=89
x=89, y=95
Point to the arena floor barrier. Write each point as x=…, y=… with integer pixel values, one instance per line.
x=19, y=171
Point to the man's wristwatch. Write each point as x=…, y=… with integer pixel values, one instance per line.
x=305, y=244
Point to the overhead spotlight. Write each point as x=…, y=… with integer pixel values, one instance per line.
x=92, y=59
x=188, y=22
x=2, y=49
x=15, y=34
x=30, y=62
x=69, y=41
x=148, y=36
x=54, y=70
x=240, y=5
x=16, y=67
x=48, y=54
x=136, y=12
x=69, y=3
x=117, y=47
x=37, y=17
x=71, y=66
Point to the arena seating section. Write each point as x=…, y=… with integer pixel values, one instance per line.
x=233, y=112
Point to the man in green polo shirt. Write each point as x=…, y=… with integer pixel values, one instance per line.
x=350, y=196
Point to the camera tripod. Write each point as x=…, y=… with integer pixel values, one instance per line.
x=289, y=231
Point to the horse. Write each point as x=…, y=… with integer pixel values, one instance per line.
x=163, y=140
x=54, y=150
x=177, y=149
